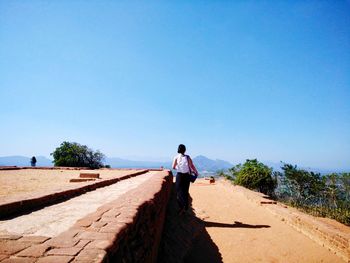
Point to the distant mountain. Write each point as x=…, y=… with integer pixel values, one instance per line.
x=203, y=163
x=115, y=162
x=24, y=161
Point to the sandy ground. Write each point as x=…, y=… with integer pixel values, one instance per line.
x=28, y=181
x=238, y=230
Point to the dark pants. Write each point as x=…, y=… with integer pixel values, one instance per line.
x=182, y=186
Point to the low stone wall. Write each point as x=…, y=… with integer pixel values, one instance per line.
x=326, y=232
x=37, y=201
x=127, y=229
x=140, y=240
x=42, y=168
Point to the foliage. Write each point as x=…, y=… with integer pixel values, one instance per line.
x=326, y=196
x=72, y=154
x=33, y=161
x=345, y=186
x=254, y=175
x=302, y=186
x=319, y=195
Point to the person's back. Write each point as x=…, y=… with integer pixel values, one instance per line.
x=182, y=163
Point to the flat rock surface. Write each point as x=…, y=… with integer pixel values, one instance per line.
x=243, y=231
x=53, y=220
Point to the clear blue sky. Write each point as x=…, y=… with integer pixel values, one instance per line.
x=230, y=79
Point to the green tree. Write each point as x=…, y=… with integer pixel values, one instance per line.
x=332, y=191
x=254, y=175
x=345, y=182
x=303, y=186
x=73, y=154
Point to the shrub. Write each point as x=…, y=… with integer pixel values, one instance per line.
x=302, y=187
x=316, y=194
x=254, y=175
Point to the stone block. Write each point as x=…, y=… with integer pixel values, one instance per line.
x=82, y=243
x=34, y=251
x=117, y=228
x=111, y=213
x=80, y=180
x=267, y=202
x=109, y=219
x=96, y=236
x=100, y=244
x=69, y=251
x=61, y=242
x=98, y=225
x=84, y=222
x=19, y=260
x=10, y=237
x=89, y=175
x=55, y=259
x=92, y=255
x=10, y=247
x=34, y=239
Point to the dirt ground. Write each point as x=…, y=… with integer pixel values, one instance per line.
x=28, y=181
x=242, y=231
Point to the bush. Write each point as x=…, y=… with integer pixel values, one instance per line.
x=319, y=195
x=302, y=187
x=72, y=154
x=254, y=175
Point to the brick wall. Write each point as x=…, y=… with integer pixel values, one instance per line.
x=141, y=238
x=127, y=229
x=39, y=200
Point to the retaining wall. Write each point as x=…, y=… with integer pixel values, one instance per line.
x=37, y=201
x=127, y=229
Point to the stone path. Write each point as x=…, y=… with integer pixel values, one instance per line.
x=53, y=220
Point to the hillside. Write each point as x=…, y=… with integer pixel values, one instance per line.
x=205, y=164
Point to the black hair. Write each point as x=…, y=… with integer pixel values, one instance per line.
x=181, y=149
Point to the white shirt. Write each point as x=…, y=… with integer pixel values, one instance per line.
x=182, y=163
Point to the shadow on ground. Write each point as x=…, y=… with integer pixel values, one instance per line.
x=185, y=238
x=236, y=224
